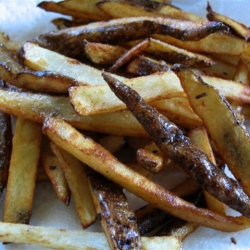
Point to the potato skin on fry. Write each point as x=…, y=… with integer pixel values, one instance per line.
x=170, y=139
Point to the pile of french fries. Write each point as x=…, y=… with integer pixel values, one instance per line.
x=74, y=130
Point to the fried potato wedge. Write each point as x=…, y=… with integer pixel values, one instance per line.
x=239, y=28
x=179, y=148
x=211, y=44
x=225, y=129
x=172, y=54
x=38, y=58
x=117, y=219
x=37, y=107
x=5, y=148
x=86, y=150
x=77, y=180
x=100, y=99
x=54, y=171
x=103, y=54
x=74, y=240
x=70, y=41
x=22, y=172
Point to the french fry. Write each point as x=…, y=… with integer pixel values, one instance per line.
x=135, y=50
x=112, y=142
x=69, y=41
x=54, y=172
x=101, y=53
x=239, y=28
x=100, y=160
x=5, y=148
x=22, y=172
x=172, y=54
x=77, y=180
x=117, y=219
x=100, y=99
x=38, y=58
x=73, y=240
x=37, y=107
x=170, y=139
x=225, y=129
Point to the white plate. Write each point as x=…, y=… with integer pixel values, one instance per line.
x=21, y=20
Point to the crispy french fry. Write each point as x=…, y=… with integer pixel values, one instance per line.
x=117, y=219
x=225, y=129
x=5, y=148
x=101, y=53
x=77, y=180
x=170, y=139
x=100, y=99
x=73, y=240
x=101, y=160
x=54, y=171
x=135, y=50
x=37, y=107
x=239, y=28
x=38, y=58
x=22, y=172
x=70, y=41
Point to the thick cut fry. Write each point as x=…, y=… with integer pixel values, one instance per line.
x=117, y=219
x=211, y=44
x=86, y=7
x=134, y=51
x=226, y=130
x=5, y=148
x=239, y=28
x=100, y=99
x=86, y=150
x=179, y=148
x=54, y=171
x=73, y=240
x=77, y=180
x=173, y=54
x=70, y=41
x=22, y=173
x=38, y=58
x=37, y=107
x=101, y=53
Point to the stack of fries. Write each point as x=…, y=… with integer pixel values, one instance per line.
x=122, y=97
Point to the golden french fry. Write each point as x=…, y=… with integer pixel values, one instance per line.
x=54, y=171
x=73, y=240
x=37, y=107
x=225, y=129
x=101, y=53
x=77, y=180
x=100, y=99
x=22, y=172
x=38, y=58
x=102, y=161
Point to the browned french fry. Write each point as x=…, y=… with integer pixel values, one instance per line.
x=12, y=46
x=117, y=219
x=89, y=100
x=5, y=148
x=134, y=51
x=173, y=54
x=101, y=160
x=37, y=107
x=70, y=41
x=77, y=180
x=22, y=172
x=228, y=133
x=101, y=53
x=170, y=139
x=54, y=171
x=239, y=28
x=75, y=240
x=173, y=12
